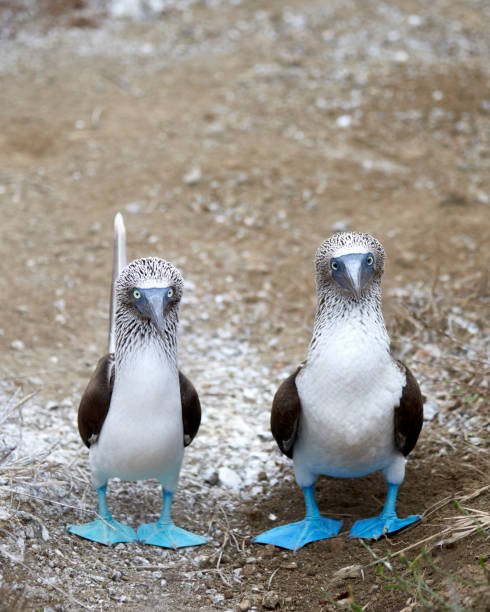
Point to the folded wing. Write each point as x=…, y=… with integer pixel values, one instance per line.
x=286, y=408
x=96, y=400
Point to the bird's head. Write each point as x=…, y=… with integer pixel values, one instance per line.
x=349, y=263
x=149, y=290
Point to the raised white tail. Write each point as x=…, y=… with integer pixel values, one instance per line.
x=118, y=265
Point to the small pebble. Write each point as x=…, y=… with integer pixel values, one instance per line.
x=271, y=600
x=341, y=225
x=193, y=177
x=205, y=562
x=351, y=571
x=116, y=575
x=249, y=569
x=344, y=121
x=211, y=477
x=268, y=550
x=292, y=565
x=133, y=207
x=430, y=410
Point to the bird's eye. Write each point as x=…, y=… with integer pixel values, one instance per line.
x=334, y=265
x=170, y=292
x=369, y=260
x=136, y=294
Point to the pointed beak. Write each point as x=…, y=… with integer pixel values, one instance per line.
x=353, y=275
x=156, y=304
x=353, y=272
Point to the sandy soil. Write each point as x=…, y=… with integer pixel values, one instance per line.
x=235, y=137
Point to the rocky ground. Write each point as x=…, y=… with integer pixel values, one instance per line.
x=235, y=136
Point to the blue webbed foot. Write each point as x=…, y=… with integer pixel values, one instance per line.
x=164, y=533
x=105, y=531
x=386, y=522
x=168, y=536
x=296, y=535
x=374, y=528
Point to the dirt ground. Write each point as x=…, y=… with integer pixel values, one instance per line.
x=235, y=137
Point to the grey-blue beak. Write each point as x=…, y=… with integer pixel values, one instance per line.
x=353, y=271
x=152, y=304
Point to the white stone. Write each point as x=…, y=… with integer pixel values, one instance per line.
x=341, y=225
x=414, y=20
x=229, y=478
x=401, y=57
x=430, y=410
x=193, y=177
x=133, y=207
x=344, y=121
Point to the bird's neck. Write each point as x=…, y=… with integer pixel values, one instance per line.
x=338, y=313
x=133, y=335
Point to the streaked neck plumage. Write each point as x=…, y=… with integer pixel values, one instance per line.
x=337, y=309
x=135, y=333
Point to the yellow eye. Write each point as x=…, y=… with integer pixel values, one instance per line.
x=136, y=294
x=170, y=292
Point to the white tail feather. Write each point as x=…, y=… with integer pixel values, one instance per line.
x=118, y=265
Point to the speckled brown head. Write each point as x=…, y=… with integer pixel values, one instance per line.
x=348, y=263
x=148, y=273
x=148, y=294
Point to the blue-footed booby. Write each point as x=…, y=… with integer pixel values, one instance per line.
x=350, y=409
x=139, y=411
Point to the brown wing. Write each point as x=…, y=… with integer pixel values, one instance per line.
x=191, y=408
x=96, y=400
x=286, y=408
x=409, y=415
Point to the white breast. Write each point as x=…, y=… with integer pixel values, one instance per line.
x=142, y=436
x=348, y=391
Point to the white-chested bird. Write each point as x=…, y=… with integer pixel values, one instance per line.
x=350, y=409
x=139, y=411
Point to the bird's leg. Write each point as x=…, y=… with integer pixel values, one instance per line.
x=390, y=502
x=166, y=513
x=386, y=522
x=104, y=511
x=104, y=529
x=311, y=508
x=164, y=533
x=295, y=535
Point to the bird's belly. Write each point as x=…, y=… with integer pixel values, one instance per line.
x=346, y=426
x=142, y=436
x=137, y=451
x=341, y=448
